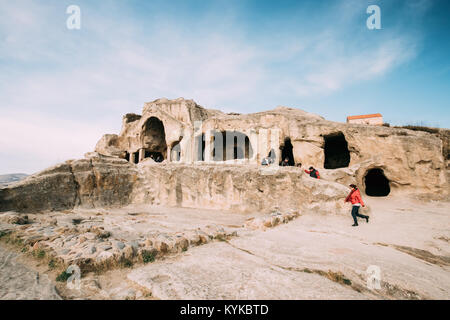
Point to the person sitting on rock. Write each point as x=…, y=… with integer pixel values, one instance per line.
x=313, y=173
x=269, y=159
x=285, y=162
x=355, y=198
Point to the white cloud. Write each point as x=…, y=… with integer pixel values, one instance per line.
x=344, y=69
x=62, y=90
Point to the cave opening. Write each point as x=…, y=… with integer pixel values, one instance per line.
x=136, y=157
x=175, y=151
x=200, y=147
x=154, y=138
x=336, y=150
x=231, y=145
x=377, y=185
x=156, y=156
x=287, y=152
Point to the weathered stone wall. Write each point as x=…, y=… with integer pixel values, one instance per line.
x=236, y=188
x=101, y=182
x=51, y=189
x=90, y=183
x=411, y=160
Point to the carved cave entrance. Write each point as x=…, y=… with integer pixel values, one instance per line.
x=175, y=152
x=136, y=157
x=286, y=152
x=336, y=151
x=154, y=139
x=377, y=185
x=225, y=145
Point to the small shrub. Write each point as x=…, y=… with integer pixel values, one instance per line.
x=339, y=278
x=52, y=264
x=421, y=128
x=39, y=254
x=18, y=241
x=63, y=276
x=148, y=256
x=76, y=221
x=126, y=263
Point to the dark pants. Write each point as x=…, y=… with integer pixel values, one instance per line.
x=355, y=214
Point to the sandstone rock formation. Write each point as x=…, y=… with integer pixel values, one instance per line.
x=104, y=181
x=212, y=160
x=91, y=182
x=410, y=160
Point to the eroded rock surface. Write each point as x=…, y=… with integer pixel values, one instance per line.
x=105, y=182
x=412, y=161
x=198, y=171
x=19, y=282
x=89, y=182
x=318, y=257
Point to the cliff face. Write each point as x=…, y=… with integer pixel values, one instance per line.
x=410, y=160
x=91, y=182
x=380, y=160
x=103, y=182
x=236, y=188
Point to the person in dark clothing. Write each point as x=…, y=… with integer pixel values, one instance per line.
x=355, y=198
x=285, y=162
x=313, y=172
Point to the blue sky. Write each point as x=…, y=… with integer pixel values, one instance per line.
x=61, y=89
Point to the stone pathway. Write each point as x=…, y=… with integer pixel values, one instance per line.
x=19, y=282
x=276, y=256
x=318, y=257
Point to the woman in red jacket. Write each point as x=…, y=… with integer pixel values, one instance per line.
x=355, y=198
x=313, y=173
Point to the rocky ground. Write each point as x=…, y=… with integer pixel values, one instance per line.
x=148, y=252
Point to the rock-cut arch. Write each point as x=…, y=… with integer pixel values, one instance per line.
x=175, y=150
x=231, y=145
x=287, y=151
x=153, y=137
x=336, y=151
x=376, y=183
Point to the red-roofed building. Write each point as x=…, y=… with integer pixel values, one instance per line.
x=373, y=119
